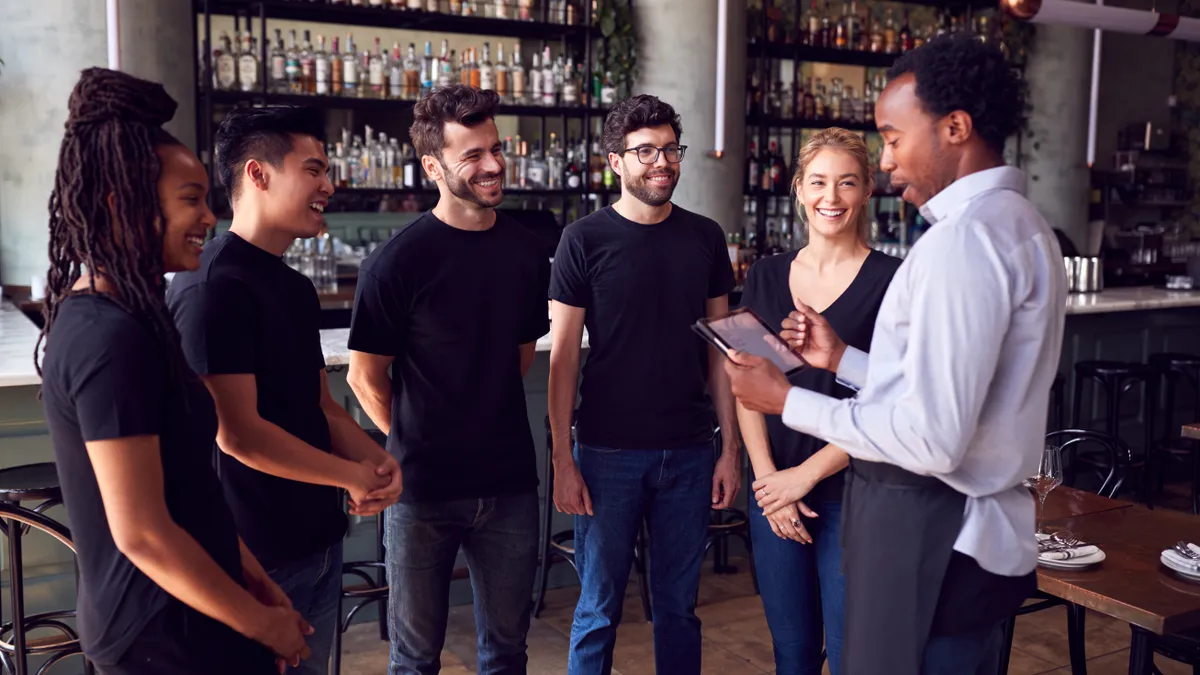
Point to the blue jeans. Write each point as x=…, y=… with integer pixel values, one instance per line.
x=671, y=490
x=499, y=537
x=314, y=584
x=966, y=654
x=803, y=590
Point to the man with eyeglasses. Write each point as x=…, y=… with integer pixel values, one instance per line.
x=638, y=274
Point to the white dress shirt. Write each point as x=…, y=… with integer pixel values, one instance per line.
x=965, y=349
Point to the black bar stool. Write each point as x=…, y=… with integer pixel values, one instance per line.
x=1174, y=367
x=1115, y=378
x=728, y=523
x=32, y=482
x=1058, y=392
x=559, y=546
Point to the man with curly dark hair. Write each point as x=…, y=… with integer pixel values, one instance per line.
x=951, y=411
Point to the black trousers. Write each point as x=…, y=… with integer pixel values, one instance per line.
x=181, y=641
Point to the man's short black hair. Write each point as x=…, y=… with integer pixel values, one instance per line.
x=264, y=134
x=961, y=73
x=635, y=113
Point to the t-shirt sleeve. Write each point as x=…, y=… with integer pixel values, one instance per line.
x=537, y=314
x=214, y=319
x=720, y=280
x=379, y=318
x=120, y=386
x=568, y=277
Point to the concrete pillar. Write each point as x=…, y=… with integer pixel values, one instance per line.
x=677, y=49
x=44, y=45
x=1059, y=74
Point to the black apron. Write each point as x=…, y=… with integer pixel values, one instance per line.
x=904, y=581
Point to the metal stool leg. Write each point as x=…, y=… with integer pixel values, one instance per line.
x=17, y=595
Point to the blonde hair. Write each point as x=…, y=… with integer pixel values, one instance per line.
x=841, y=140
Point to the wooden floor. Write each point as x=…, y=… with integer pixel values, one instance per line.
x=736, y=638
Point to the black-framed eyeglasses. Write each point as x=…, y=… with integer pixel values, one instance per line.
x=648, y=154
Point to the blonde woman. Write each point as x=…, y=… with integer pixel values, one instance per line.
x=796, y=511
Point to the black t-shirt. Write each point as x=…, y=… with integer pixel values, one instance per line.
x=246, y=312
x=643, y=286
x=453, y=306
x=852, y=316
x=106, y=377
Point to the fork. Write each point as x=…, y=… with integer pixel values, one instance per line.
x=1182, y=548
x=1058, y=541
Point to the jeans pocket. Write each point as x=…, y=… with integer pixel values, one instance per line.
x=599, y=449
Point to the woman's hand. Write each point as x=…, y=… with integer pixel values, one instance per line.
x=785, y=523
x=781, y=489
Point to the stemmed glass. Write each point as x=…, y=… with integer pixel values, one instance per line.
x=1049, y=476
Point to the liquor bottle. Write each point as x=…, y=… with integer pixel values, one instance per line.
x=225, y=72
x=412, y=73
x=841, y=36
x=548, y=83
x=779, y=183
x=411, y=168
x=570, y=86
x=597, y=162
x=868, y=103
x=500, y=8
x=525, y=10
x=445, y=74
x=539, y=168
x=308, y=66
x=500, y=73
x=608, y=90
x=350, y=68
x=428, y=67
x=752, y=172
x=509, y=152
x=517, y=73
x=863, y=31
x=853, y=28
x=279, y=83
x=455, y=7
x=337, y=69
x=337, y=165
x=764, y=169
x=554, y=164
x=810, y=102
x=321, y=84
x=432, y=6
x=487, y=71
x=820, y=110
x=376, y=71
x=906, y=36
x=464, y=68
x=812, y=36
x=835, y=99
x=476, y=75
x=523, y=182
x=890, y=44
x=292, y=65
x=248, y=64
x=608, y=179
x=535, y=80
x=396, y=82
x=413, y=5
x=826, y=33
x=877, y=37
x=574, y=170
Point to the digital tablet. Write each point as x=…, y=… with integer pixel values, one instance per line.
x=744, y=331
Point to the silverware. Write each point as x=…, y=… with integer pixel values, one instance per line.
x=1186, y=551
x=1059, y=541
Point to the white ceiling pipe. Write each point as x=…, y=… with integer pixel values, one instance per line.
x=1102, y=17
x=718, y=150
x=113, y=10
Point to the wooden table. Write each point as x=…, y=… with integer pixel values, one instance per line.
x=1066, y=502
x=1131, y=584
x=1191, y=431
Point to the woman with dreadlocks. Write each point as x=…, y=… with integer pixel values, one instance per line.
x=165, y=586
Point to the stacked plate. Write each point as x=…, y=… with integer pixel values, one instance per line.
x=1080, y=556
x=1179, y=564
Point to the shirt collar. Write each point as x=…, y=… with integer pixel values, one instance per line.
x=967, y=188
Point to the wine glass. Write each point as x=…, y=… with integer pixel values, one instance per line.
x=1049, y=476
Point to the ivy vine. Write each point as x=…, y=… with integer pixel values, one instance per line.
x=615, y=19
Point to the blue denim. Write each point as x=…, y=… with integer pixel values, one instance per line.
x=975, y=653
x=803, y=590
x=499, y=538
x=313, y=584
x=670, y=490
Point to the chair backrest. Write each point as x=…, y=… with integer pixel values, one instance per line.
x=1103, y=455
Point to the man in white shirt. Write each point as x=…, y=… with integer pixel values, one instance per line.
x=951, y=410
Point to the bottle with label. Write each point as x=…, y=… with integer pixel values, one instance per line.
x=444, y=78
x=549, y=86
x=597, y=163
x=308, y=66
x=248, y=64
x=500, y=73
x=428, y=65
x=890, y=43
x=570, y=85
x=292, y=65
x=535, y=80
x=779, y=180
x=278, y=57
x=517, y=74
x=396, y=82
x=752, y=171
x=376, y=67
x=226, y=70
x=321, y=84
x=537, y=168
x=820, y=110
x=906, y=36
x=474, y=77
x=350, y=68
x=487, y=72
x=523, y=167
x=412, y=168
x=412, y=73
x=574, y=171
x=413, y=5
x=509, y=153
x=609, y=178
x=608, y=90
x=554, y=164
x=336, y=69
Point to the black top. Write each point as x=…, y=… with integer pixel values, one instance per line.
x=246, y=312
x=852, y=316
x=643, y=286
x=106, y=377
x=453, y=307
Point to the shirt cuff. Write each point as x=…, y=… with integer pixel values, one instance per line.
x=802, y=410
x=852, y=369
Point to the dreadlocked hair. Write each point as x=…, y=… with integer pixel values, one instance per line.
x=113, y=125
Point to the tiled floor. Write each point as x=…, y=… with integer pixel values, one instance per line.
x=736, y=638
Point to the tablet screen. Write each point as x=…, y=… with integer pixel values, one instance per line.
x=745, y=331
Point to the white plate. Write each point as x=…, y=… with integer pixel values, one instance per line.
x=1074, y=563
x=1179, y=569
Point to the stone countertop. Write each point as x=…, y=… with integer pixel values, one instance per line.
x=333, y=345
x=18, y=335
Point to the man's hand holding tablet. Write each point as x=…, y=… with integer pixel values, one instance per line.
x=744, y=331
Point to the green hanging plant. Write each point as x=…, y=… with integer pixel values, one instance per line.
x=615, y=19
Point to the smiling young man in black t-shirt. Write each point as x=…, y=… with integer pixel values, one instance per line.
x=638, y=274
x=454, y=305
x=250, y=329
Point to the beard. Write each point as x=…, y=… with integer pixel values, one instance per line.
x=646, y=193
x=462, y=188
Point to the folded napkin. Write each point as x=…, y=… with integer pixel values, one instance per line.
x=1069, y=553
x=1179, y=560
